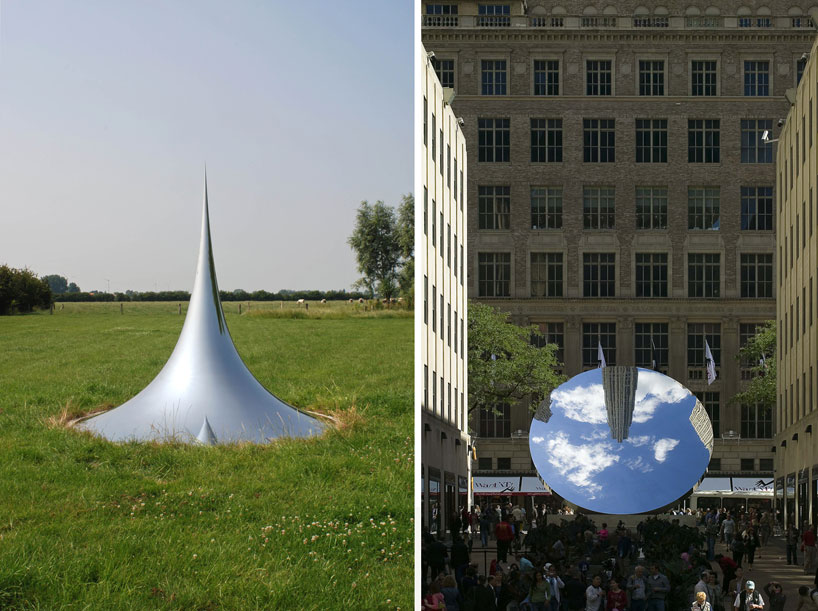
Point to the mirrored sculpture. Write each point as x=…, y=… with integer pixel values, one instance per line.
x=204, y=393
x=621, y=440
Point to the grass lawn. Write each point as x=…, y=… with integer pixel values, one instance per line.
x=297, y=524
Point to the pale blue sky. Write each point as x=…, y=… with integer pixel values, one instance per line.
x=109, y=111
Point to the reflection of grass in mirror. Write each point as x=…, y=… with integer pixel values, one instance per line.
x=297, y=524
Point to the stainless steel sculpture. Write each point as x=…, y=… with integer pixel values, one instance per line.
x=621, y=440
x=204, y=392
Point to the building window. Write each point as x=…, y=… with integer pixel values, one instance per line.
x=757, y=208
x=496, y=422
x=599, y=140
x=493, y=15
x=756, y=421
x=484, y=463
x=434, y=308
x=440, y=16
x=425, y=300
x=594, y=334
x=546, y=77
x=546, y=274
x=651, y=141
x=765, y=464
x=493, y=140
x=754, y=22
x=434, y=223
x=444, y=68
x=454, y=192
x=746, y=332
x=546, y=207
x=703, y=141
x=425, y=210
x=651, y=274
x=703, y=78
x=434, y=391
x=703, y=208
x=493, y=207
x=425, y=121
x=494, y=274
x=799, y=70
x=546, y=140
x=599, y=274
x=753, y=149
x=757, y=276
x=553, y=333
x=493, y=79
x=651, y=207
x=756, y=78
x=715, y=464
x=503, y=464
x=598, y=77
x=697, y=333
x=710, y=402
x=651, y=77
x=644, y=333
x=703, y=274
x=434, y=138
x=598, y=207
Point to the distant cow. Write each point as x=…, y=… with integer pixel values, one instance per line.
x=351, y=300
x=300, y=301
x=360, y=299
x=323, y=301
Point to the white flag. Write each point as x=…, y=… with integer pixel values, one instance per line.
x=710, y=363
x=600, y=356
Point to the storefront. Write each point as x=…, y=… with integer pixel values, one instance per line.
x=733, y=493
x=779, y=501
x=524, y=490
x=802, y=498
x=789, y=500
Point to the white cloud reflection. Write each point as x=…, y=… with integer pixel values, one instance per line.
x=582, y=403
x=653, y=390
x=580, y=463
x=662, y=447
x=638, y=464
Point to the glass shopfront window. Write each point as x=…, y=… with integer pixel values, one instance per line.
x=789, y=500
x=779, y=501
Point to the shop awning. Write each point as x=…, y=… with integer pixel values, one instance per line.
x=713, y=486
x=509, y=485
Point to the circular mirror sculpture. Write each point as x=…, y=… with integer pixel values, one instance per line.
x=621, y=440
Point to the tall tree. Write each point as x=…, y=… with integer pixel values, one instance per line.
x=377, y=248
x=760, y=351
x=73, y=288
x=406, y=240
x=505, y=365
x=57, y=283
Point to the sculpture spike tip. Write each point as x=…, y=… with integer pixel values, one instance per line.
x=206, y=436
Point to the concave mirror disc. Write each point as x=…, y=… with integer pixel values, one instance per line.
x=621, y=440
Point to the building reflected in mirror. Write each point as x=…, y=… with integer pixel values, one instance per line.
x=619, y=384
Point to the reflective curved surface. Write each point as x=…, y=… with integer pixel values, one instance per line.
x=204, y=391
x=621, y=440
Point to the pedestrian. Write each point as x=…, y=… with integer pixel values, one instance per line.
x=594, y=595
x=738, y=550
x=703, y=585
x=728, y=528
x=657, y=586
x=775, y=593
x=809, y=550
x=728, y=571
x=748, y=599
x=751, y=542
x=540, y=593
x=556, y=585
x=636, y=589
x=736, y=584
x=504, y=535
x=807, y=599
x=701, y=604
x=617, y=599
x=434, y=599
x=485, y=526
x=792, y=542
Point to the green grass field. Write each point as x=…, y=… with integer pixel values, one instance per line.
x=298, y=524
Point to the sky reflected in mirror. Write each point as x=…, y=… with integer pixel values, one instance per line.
x=621, y=440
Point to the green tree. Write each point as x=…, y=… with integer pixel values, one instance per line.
x=22, y=291
x=57, y=283
x=406, y=240
x=377, y=248
x=504, y=364
x=761, y=389
x=73, y=288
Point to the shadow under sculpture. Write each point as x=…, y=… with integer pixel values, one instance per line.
x=621, y=440
x=204, y=393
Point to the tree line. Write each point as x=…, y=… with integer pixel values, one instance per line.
x=22, y=291
x=237, y=295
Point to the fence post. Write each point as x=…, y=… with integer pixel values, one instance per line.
x=51, y=309
x=239, y=308
x=180, y=308
x=121, y=308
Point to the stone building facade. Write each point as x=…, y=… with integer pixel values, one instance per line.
x=620, y=192
x=440, y=298
x=796, y=465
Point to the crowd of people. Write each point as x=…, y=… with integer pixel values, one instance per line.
x=573, y=565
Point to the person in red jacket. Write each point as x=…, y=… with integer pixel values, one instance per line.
x=809, y=550
x=617, y=599
x=504, y=535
